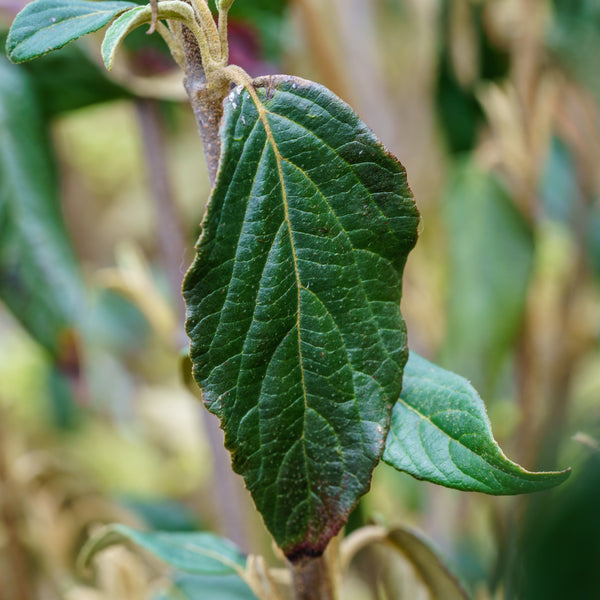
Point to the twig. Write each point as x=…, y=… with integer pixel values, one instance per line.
x=206, y=101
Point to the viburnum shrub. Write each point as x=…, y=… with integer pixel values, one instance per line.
x=293, y=313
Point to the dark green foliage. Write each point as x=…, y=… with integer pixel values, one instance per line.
x=293, y=304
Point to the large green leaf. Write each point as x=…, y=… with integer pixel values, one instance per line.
x=196, y=553
x=293, y=303
x=441, y=433
x=490, y=247
x=39, y=277
x=46, y=25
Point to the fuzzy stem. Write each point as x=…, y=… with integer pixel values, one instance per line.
x=312, y=580
x=206, y=101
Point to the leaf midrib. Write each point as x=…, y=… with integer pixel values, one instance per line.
x=262, y=115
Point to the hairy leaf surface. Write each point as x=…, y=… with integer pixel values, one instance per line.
x=46, y=25
x=293, y=303
x=441, y=433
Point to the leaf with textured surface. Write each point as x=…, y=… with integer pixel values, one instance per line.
x=426, y=559
x=293, y=303
x=196, y=553
x=441, y=433
x=46, y=25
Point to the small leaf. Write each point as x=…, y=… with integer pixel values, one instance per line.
x=119, y=30
x=441, y=433
x=426, y=559
x=195, y=553
x=136, y=17
x=293, y=303
x=46, y=25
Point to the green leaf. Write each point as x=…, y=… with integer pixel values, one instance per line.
x=136, y=17
x=293, y=303
x=46, y=25
x=196, y=553
x=196, y=587
x=426, y=559
x=441, y=433
x=39, y=276
x=490, y=247
x=119, y=30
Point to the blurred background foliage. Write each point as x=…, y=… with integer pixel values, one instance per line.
x=492, y=106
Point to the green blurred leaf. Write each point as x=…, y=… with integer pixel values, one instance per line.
x=39, y=277
x=197, y=553
x=559, y=188
x=195, y=587
x=560, y=544
x=293, y=303
x=441, y=433
x=269, y=18
x=439, y=578
x=593, y=237
x=491, y=250
x=574, y=38
x=46, y=25
x=69, y=79
x=162, y=514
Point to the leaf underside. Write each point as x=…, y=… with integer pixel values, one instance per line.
x=46, y=25
x=441, y=433
x=293, y=303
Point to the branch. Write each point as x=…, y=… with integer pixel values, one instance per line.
x=206, y=101
x=312, y=579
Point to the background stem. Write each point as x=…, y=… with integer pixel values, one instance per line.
x=171, y=239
